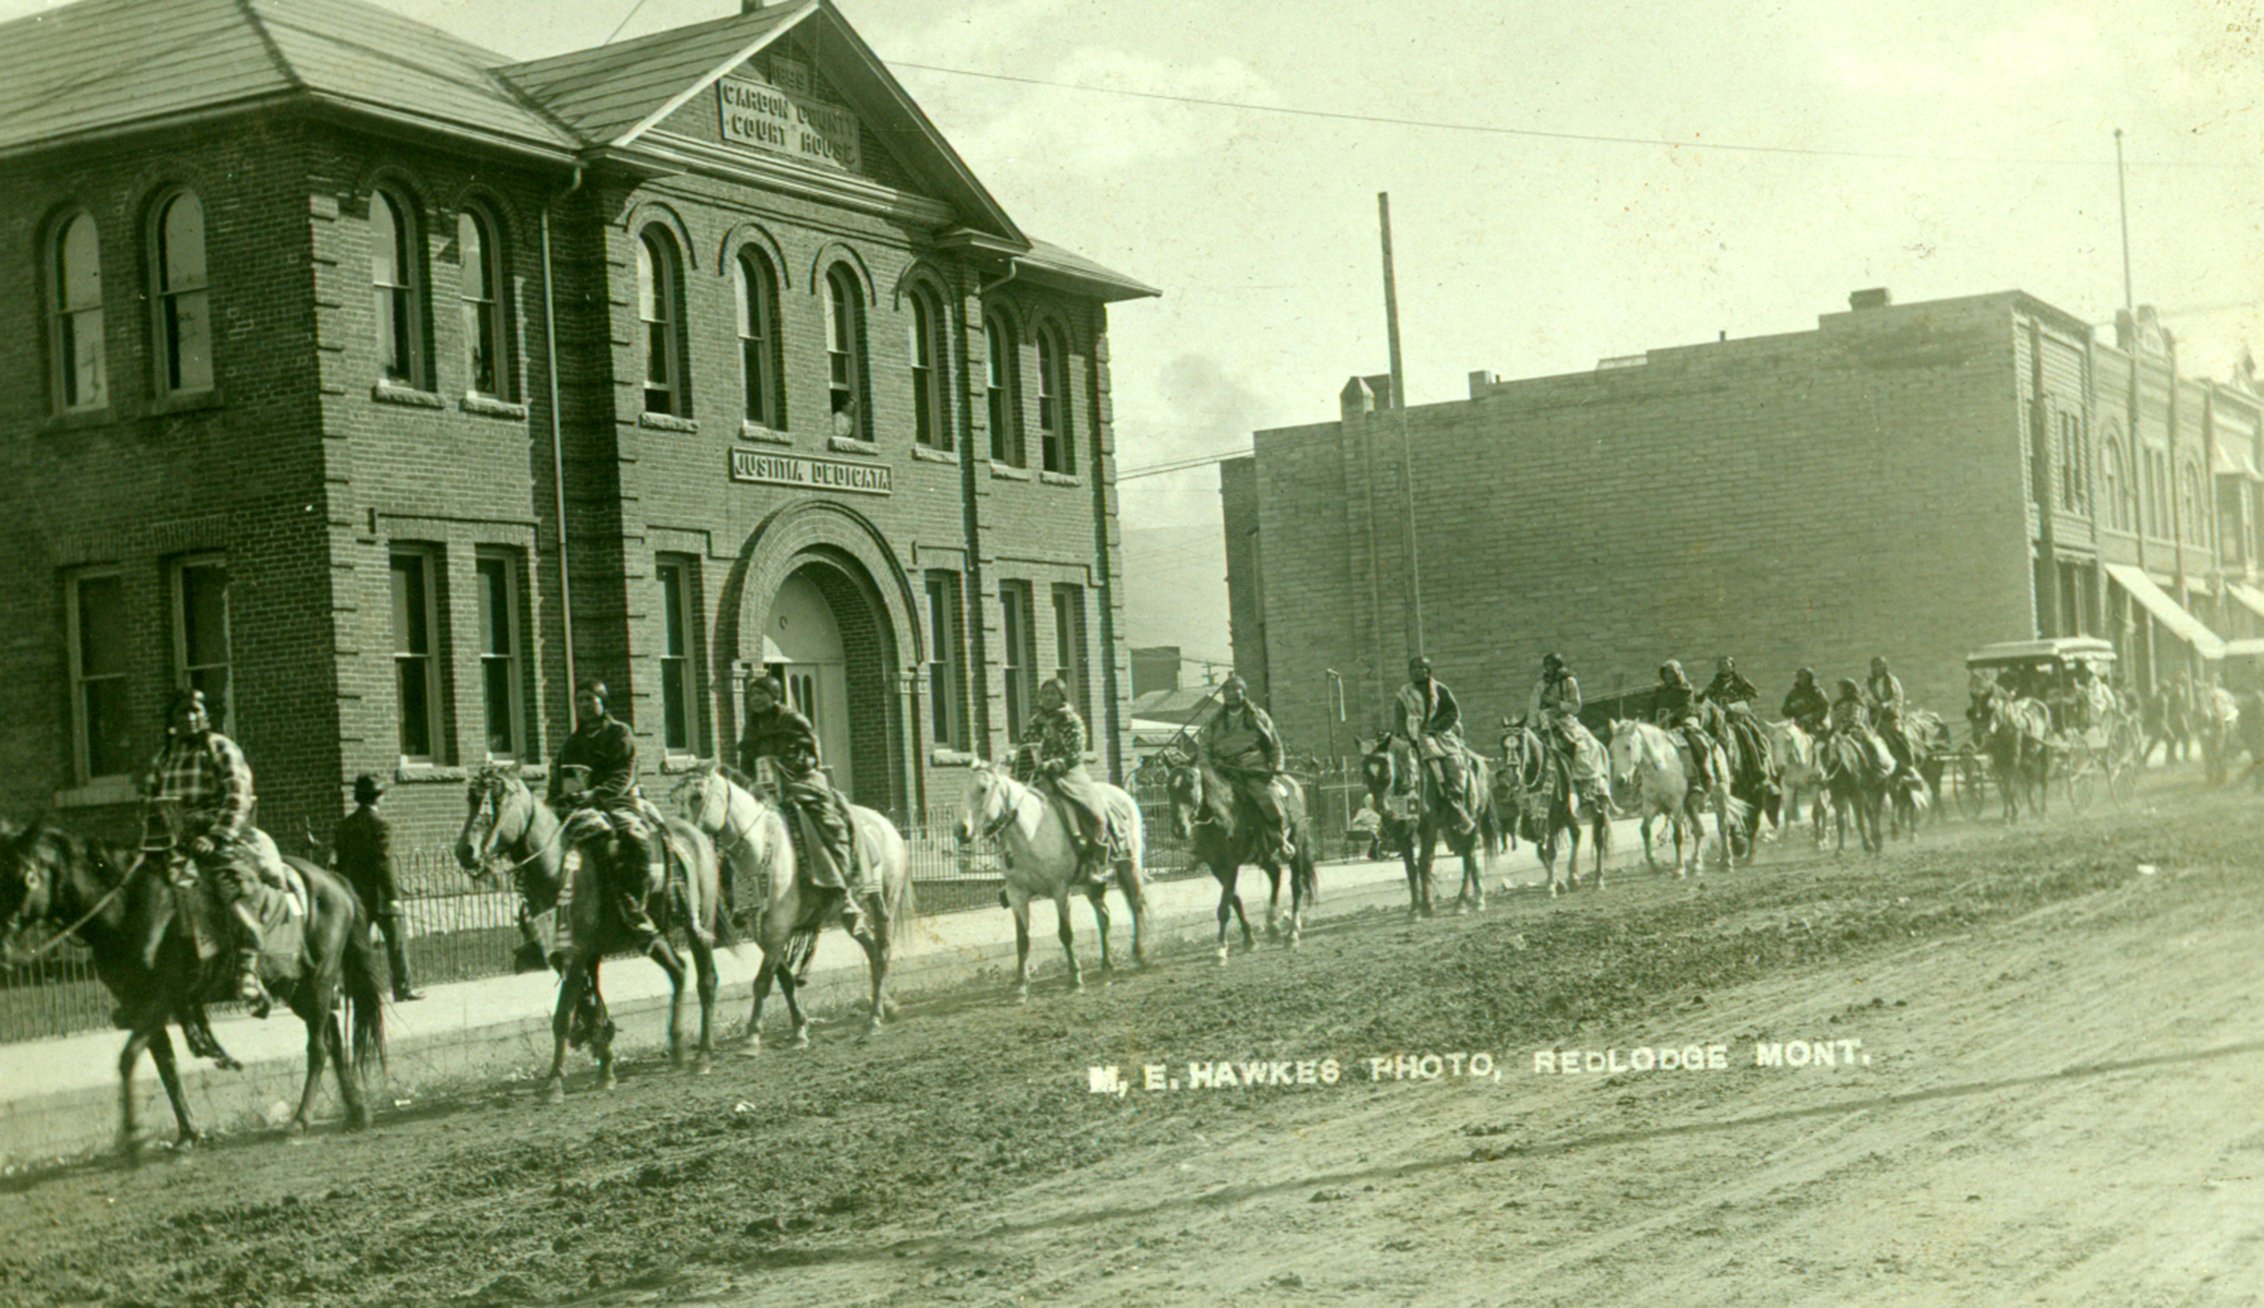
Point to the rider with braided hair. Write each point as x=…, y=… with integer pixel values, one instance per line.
x=1675, y=706
x=597, y=773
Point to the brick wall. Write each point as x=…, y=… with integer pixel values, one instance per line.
x=1812, y=499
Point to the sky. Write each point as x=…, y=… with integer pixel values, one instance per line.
x=1983, y=160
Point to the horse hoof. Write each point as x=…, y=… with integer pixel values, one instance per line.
x=802, y=1038
x=295, y=1131
x=606, y=1080
x=1222, y=955
x=703, y=1065
x=1076, y=985
x=130, y=1150
x=749, y=1046
x=1021, y=993
x=555, y=1091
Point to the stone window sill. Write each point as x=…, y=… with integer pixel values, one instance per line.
x=1007, y=473
x=79, y=419
x=186, y=402
x=678, y=764
x=669, y=422
x=755, y=431
x=927, y=454
x=388, y=392
x=951, y=758
x=850, y=445
x=427, y=774
x=488, y=406
x=99, y=792
x=1060, y=479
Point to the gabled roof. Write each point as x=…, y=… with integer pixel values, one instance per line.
x=104, y=64
x=605, y=94
x=99, y=66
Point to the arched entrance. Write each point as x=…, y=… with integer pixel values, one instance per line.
x=804, y=649
x=817, y=597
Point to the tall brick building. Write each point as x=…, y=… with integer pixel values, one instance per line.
x=1911, y=481
x=383, y=386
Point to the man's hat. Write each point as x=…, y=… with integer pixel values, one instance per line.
x=767, y=683
x=1233, y=681
x=183, y=699
x=1552, y=661
x=1805, y=674
x=596, y=686
x=1418, y=661
x=367, y=788
x=1673, y=666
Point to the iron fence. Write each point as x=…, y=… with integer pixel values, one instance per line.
x=458, y=929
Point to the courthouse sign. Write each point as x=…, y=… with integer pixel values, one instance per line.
x=812, y=474
x=784, y=117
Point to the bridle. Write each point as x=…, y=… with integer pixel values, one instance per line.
x=23, y=917
x=1011, y=812
x=713, y=791
x=487, y=863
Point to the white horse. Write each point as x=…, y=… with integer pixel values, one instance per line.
x=750, y=833
x=1799, y=772
x=1041, y=856
x=1648, y=774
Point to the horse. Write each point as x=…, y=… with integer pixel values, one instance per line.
x=1857, y=782
x=1913, y=794
x=1390, y=768
x=751, y=835
x=2014, y=733
x=1541, y=780
x=1648, y=774
x=506, y=820
x=1041, y=858
x=121, y=906
x=1798, y=773
x=1206, y=813
x=1751, y=773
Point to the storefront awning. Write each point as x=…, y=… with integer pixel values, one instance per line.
x=2249, y=596
x=2167, y=611
x=2232, y=460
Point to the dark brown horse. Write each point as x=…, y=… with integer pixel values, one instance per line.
x=1415, y=819
x=1206, y=813
x=2015, y=733
x=1538, y=781
x=118, y=903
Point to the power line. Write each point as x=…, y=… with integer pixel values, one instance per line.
x=1596, y=138
x=624, y=21
x=1178, y=465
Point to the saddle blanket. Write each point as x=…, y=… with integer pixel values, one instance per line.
x=281, y=914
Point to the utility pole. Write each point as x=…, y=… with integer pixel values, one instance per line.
x=1406, y=459
x=2122, y=199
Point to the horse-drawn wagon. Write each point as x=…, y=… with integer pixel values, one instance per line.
x=2094, y=740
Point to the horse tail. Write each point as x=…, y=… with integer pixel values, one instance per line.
x=1490, y=826
x=365, y=1002
x=902, y=904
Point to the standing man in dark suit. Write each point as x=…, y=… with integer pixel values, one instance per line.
x=363, y=847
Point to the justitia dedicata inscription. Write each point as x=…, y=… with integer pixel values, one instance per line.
x=812, y=474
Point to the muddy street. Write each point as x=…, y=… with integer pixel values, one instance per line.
x=2009, y=1066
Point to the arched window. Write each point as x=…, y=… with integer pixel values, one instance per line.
x=931, y=419
x=845, y=352
x=1002, y=387
x=756, y=283
x=76, y=334
x=184, y=298
x=393, y=268
x=479, y=261
x=1055, y=438
x=2111, y=483
x=659, y=308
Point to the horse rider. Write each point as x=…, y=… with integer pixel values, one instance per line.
x=1054, y=750
x=1730, y=692
x=1805, y=704
x=1241, y=745
x=362, y=848
x=1730, y=689
x=1430, y=720
x=205, y=774
x=1850, y=716
x=1882, y=694
x=817, y=815
x=1554, y=710
x=597, y=773
x=1674, y=705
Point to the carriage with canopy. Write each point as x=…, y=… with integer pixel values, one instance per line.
x=2096, y=738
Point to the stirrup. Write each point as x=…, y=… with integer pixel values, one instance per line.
x=252, y=994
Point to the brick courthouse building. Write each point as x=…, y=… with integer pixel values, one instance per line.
x=1914, y=481
x=384, y=386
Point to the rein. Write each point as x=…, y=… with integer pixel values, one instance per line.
x=1013, y=812
x=488, y=866
x=68, y=932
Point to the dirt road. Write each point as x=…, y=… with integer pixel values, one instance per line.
x=2047, y=1067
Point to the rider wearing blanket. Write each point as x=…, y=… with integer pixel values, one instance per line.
x=1053, y=751
x=1734, y=695
x=1675, y=706
x=1240, y=744
x=1430, y=720
x=1850, y=717
x=1805, y=703
x=205, y=773
x=597, y=773
x=1554, y=710
x=1883, y=695
x=818, y=816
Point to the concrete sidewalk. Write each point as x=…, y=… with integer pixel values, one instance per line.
x=58, y=1096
